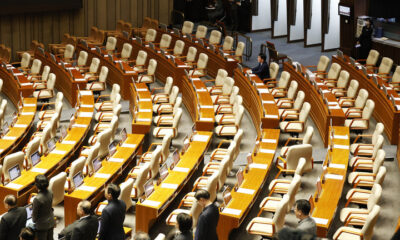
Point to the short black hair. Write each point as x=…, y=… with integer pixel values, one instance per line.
x=41, y=182
x=27, y=234
x=114, y=190
x=202, y=193
x=185, y=222
x=304, y=206
x=141, y=236
x=10, y=200
x=262, y=56
x=86, y=206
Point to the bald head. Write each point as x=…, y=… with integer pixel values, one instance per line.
x=10, y=201
x=84, y=208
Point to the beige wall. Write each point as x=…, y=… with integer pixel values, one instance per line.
x=17, y=31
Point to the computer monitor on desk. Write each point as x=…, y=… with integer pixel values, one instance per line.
x=35, y=158
x=123, y=135
x=5, y=128
x=78, y=179
x=14, y=172
x=148, y=188
x=239, y=178
x=96, y=164
x=51, y=145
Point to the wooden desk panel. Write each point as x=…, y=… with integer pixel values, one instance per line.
x=320, y=113
x=384, y=110
x=142, y=111
x=150, y=209
x=116, y=170
x=12, y=87
x=254, y=180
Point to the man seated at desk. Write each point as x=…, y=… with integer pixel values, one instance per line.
x=302, y=210
x=262, y=70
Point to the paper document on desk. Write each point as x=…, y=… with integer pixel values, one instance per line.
x=29, y=105
x=245, y=191
x=85, y=114
x=145, y=110
x=119, y=160
x=102, y=175
x=267, y=140
x=151, y=203
x=321, y=221
x=262, y=150
x=206, y=119
x=337, y=146
x=86, y=188
x=259, y=165
x=128, y=145
x=141, y=89
x=232, y=211
x=86, y=93
x=333, y=176
x=169, y=185
x=68, y=142
x=268, y=102
x=59, y=152
x=9, y=138
x=336, y=136
x=26, y=84
x=86, y=105
x=20, y=125
x=263, y=90
x=143, y=120
x=38, y=170
x=27, y=113
x=338, y=166
x=79, y=125
x=181, y=169
x=14, y=186
x=200, y=138
x=271, y=116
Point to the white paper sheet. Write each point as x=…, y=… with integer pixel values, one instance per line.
x=232, y=211
x=181, y=169
x=14, y=186
x=200, y=138
x=38, y=170
x=128, y=145
x=151, y=203
x=102, y=175
x=267, y=151
x=119, y=160
x=169, y=185
x=245, y=191
x=259, y=165
x=86, y=188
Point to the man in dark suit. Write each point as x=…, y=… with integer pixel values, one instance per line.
x=113, y=215
x=13, y=221
x=262, y=70
x=208, y=220
x=85, y=228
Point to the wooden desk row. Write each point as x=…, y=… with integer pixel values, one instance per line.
x=233, y=215
x=150, y=209
x=15, y=83
x=318, y=95
x=141, y=107
x=58, y=159
x=335, y=177
x=112, y=170
x=384, y=111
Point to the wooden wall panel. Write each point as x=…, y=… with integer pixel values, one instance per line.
x=17, y=31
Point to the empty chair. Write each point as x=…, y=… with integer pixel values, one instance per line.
x=222, y=74
x=10, y=161
x=187, y=27
x=228, y=44
x=222, y=172
x=3, y=107
x=333, y=72
x=222, y=101
x=44, y=138
x=161, y=131
x=167, y=102
x=371, y=60
x=190, y=57
x=292, y=113
x=340, y=84
x=273, y=72
x=35, y=69
x=151, y=35
x=215, y=37
x=76, y=168
x=306, y=139
x=45, y=94
x=82, y=59
x=68, y=53
x=91, y=155
x=44, y=114
x=281, y=84
x=107, y=116
x=178, y=48
x=385, y=67
x=228, y=116
x=231, y=129
x=25, y=61
x=298, y=126
x=140, y=61
x=363, y=122
x=101, y=126
x=165, y=42
x=353, y=108
x=126, y=52
x=107, y=105
x=93, y=68
x=165, y=145
x=350, y=93
x=148, y=76
x=321, y=67
x=167, y=119
x=200, y=67
x=201, y=32
x=111, y=44
x=379, y=128
x=141, y=178
x=56, y=186
x=368, y=169
x=104, y=138
x=165, y=93
x=31, y=148
x=366, y=232
x=126, y=190
x=224, y=92
x=288, y=94
x=238, y=55
x=99, y=83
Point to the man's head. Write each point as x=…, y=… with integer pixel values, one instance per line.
x=141, y=236
x=10, y=201
x=83, y=208
x=261, y=58
x=26, y=234
x=203, y=197
x=41, y=183
x=184, y=221
x=112, y=192
x=302, y=208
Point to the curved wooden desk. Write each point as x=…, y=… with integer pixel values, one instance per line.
x=215, y=61
x=233, y=215
x=141, y=108
x=321, y=114
x=384, y=110
x=112, y=170
x=150, y=209
x=335, y=177
x=58, y=159
x=15, y=84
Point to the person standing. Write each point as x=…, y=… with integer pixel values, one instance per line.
x=85, y=228
x=365, y=39
x=235, y=4
x=13, y=221
x=208, y=220
x=302, y=210
x=113, y=215
x=42, y=210
x=262, y=70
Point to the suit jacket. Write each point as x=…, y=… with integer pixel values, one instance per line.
x=112, y=219
x=42, y=211
x=12, y=222
x=207, y=224
x=308, y=225
x=262, y=70
x=84, y=228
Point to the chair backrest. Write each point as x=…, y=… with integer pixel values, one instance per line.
x=94, y=65
x=296, y=152
x=378, y=162
x=10, y=161
x=104, y=138
x=178, y=48
x=155, y=161
x=202, y=61
x=372, y=58
x=223, y=171
x=125, y=195
x=228, y=43
x=238, y=140
x=396, y=75
x=151, y=35
x=239, y=116
x=284, y=79
x=234, y=94
x=174, y=94
x=26, y=59
x=56, y=186
x=126, y=51
x=238, y=102
x=273, y=70
x=36, y=65
x=368, y=109
x=215, y=37
x=93, y=152
x=308, y=135
x=292, y=190
x=386, y=65
x=239, y=49
x=177, y=105
x=195, y=211
x=165, y=41
x=177, y=118
x=376, y=193
x=141, y=179
x=54, y=123
x=111, y=43
x=69, y=51
x=82, y=59
x=298, y=102
x=76, y=167
x=114, y=125
x=227, y=88
x=191, y=55
x=280, y=213
x=165, y=145
x=368, y=229
x=201, y=31
x=51, y=81
x=1, y=84
x=353, y=88
x=114, y=91
x=168, y=85
x=379, y=128
x=221, y=76
x=151, y=69
x=211, y=187
x=103, y=74
x=361, y=98
x=323, y=63
x=343, y=79
x=187, y=27
x=291, y=93
x=31, y=148
x=380, y=176
x=160, y=236
x=305, y=110
x=334, y=71
x=141, y=58
x=44, y=138
x=300, y=166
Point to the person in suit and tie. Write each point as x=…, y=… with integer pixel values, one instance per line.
x=85, y=228
x=113, y=215
x=262, y=70
x=42, y=210
x=13, y=221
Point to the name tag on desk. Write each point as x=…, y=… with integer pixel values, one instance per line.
x=102, y=175
x=321, y=221
x=127, y=145
x=181, y=169
x=86, y=188
x=259, y=166
x=169, y=185
x=151, y=203
x=245, y=191
x=38, y=170
x=232, y=211
x=14, y=186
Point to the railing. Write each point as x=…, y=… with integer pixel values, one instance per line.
x=248, y=44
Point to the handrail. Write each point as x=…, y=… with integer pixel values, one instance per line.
x=249, y=44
